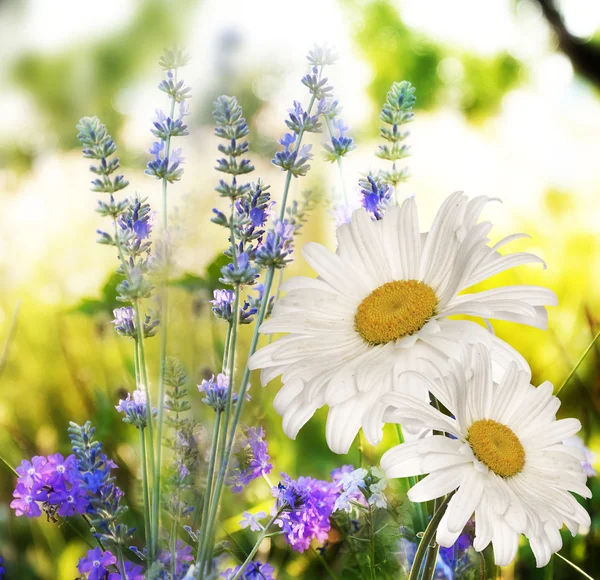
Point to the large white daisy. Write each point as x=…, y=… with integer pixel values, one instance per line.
x=504, y=458
x=380, y=304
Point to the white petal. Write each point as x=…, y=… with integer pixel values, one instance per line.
x=438, y=484
x=335, y=272
x=343, y=423
x=409, y=240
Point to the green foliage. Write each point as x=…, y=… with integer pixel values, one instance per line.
x=396, y=112
x=66, y=85
x=394, y=52
x=209, y=282
x=107, y=301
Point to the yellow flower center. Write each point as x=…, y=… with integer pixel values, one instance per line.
x=497, y=447
x=395, y=310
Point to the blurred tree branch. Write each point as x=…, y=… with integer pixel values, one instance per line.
x=585, y=56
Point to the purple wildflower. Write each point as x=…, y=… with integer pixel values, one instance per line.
x=53, y=482
x=70, y=501
x=376, y=195
x=216, y=391
x=253, y=571
x=183, y=558
x=305, y=505
x=134, y=407
x=249, y=459
x=222, y=305
x=278, y=245
x=24, y=503
x=96, y=563
x=252, y=521
x=31, y=472
x=132, y=572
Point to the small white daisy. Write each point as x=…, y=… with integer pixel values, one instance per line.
x=382, y=302
x=504, y=458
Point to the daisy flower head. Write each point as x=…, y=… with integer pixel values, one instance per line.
x=504, y=459
x=381, y=303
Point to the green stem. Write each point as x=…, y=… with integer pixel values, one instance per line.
x=372, y=542
x=238, y=407
x=147, y=516
x=427, y=538
x=256, y=546
x=432, y=552
x=9, y=465
x=208, y=492
x=549, y=569
x=574, y=369
x=173, y=539
x=156, y=497
x=226, y=348
x=574, y=566
x=91, y=527
x=211, y=527
x=143, y=375
x=121, y=562
x=326, y=565
x=140, y=362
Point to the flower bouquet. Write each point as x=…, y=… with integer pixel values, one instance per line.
x=378, y=336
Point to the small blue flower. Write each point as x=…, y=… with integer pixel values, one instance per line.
x=300, y=121
x=125, y=323
x=292, y=160
x=253, y=571
x=134, y=407
x=249, y=459
x=242, y=273
x=341, y=144
x=252, y=521
x=277, y=247
x=376, y=195
x=222, y=305
x=216, y=391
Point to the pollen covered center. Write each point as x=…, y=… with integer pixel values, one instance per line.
x=395, y=310
x=497, y=447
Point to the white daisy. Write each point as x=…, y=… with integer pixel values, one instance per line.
x=381, y=303
x=505, y=459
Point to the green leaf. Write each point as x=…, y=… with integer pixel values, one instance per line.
x=107, y=301
x=209, y=282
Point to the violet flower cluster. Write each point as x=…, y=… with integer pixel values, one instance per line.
x=249, y=459
x=132, y=225
x=95, y=468
x=304, y=506
x=376, y=195
x=135, y=409
x=183, y=558
x=253, y=571
x=99, y=565
x=359, y=486
x=166, y=163
x=81, y=483
x=216, y=391
x=249, y=203
x=53, y=485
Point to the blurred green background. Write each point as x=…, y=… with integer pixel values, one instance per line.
x=508, y=106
